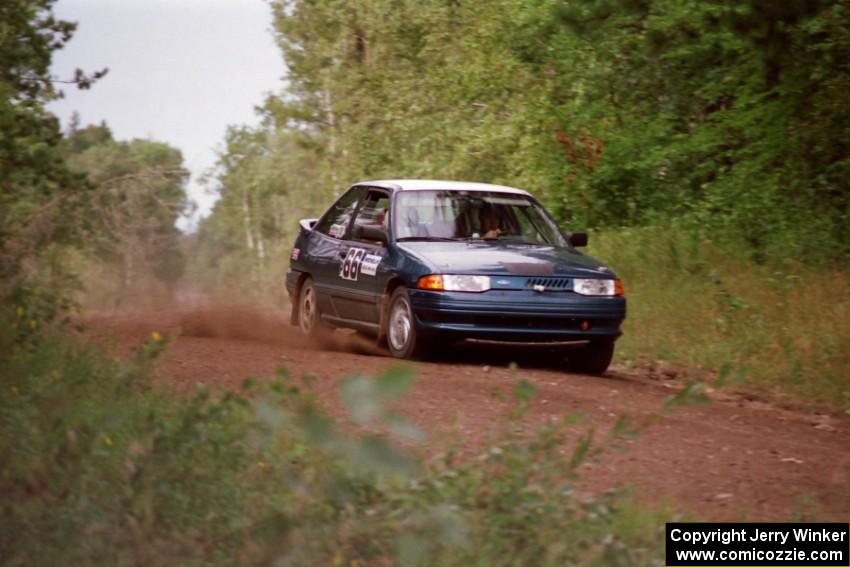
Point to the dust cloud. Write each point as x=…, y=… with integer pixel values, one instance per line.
x=228, y=321
x=250, y=323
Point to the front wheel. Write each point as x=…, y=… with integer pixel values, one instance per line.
x=593, y=359
x=402, y=339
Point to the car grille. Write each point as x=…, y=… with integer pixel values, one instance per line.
x=548, y=283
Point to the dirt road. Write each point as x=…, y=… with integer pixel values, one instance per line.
x=733, y=459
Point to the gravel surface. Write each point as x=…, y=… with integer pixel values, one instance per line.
x=736, y=458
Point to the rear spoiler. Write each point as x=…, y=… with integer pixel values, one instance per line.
x=307, y=224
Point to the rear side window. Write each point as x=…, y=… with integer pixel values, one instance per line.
x=335, y=222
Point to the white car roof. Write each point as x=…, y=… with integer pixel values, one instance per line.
x=438, y=184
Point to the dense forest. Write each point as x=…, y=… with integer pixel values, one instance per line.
x=704, y=143
x=728, y=119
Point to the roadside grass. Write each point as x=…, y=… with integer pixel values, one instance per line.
x=782, y=328
x=100, y=468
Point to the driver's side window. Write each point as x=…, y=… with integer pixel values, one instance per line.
x=374, y=211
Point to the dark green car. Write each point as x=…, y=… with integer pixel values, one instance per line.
x=419, y=263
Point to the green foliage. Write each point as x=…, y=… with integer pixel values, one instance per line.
x=41, y=200
x=727, y=121
x=690, y=394
x=614, y=112
x=35, y=308
x=717, y=116
x=137, y=195
x=780, y=327
x=266, y=181
x=64, y=197
x=99, y=467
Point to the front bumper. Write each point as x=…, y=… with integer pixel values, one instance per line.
x=518, y=315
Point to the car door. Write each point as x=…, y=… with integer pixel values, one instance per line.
x=324, y=249
x=360, y=260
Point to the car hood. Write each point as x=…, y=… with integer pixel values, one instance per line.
x=504, y=258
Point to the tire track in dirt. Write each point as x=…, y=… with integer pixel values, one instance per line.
x=732, y=459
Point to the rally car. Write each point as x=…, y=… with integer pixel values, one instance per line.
x=423, y=263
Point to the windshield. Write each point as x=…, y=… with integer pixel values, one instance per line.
x=471, y=215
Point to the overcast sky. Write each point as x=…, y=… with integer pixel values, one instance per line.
x=180, y=71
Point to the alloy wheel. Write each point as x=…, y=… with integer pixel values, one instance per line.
x=307, y=310
x=399, y=325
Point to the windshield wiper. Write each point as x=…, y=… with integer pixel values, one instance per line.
x=504, y=240
x=419, y=238
x=510, y=240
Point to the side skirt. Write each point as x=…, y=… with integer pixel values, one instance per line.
x=371, y=328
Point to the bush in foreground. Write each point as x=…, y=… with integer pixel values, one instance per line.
x=100, y=468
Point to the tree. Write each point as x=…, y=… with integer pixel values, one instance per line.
x=40, y=198
x=725, y=111
x=727, y=117
x=137, y=195
x=266, y=181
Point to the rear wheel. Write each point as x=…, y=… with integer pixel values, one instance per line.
x=593, y=359
x=402, y=338
x=309, y=318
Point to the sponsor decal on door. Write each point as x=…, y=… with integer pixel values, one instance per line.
x=370, y=264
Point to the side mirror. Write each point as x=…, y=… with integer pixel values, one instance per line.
x=577, y=239
x=307, y=224
x=374, y=233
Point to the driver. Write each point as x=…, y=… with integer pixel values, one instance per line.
x=381, y=218
x=489, y=222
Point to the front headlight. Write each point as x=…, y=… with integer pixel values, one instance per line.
x=437, y=282
x=597, y=287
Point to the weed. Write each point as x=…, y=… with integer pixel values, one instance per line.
x=100, y=468
x=779, y=327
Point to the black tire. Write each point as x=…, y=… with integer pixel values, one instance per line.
x=593, y=359
x=402, y=338
x=309, y=318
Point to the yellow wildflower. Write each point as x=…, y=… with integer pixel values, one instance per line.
x=33, y=324
x=19, y=311
x=155, y=336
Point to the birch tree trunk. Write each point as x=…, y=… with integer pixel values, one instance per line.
x=246, y=220
x=326, y=95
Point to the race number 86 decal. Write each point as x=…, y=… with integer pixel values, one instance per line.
x=350, y=268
